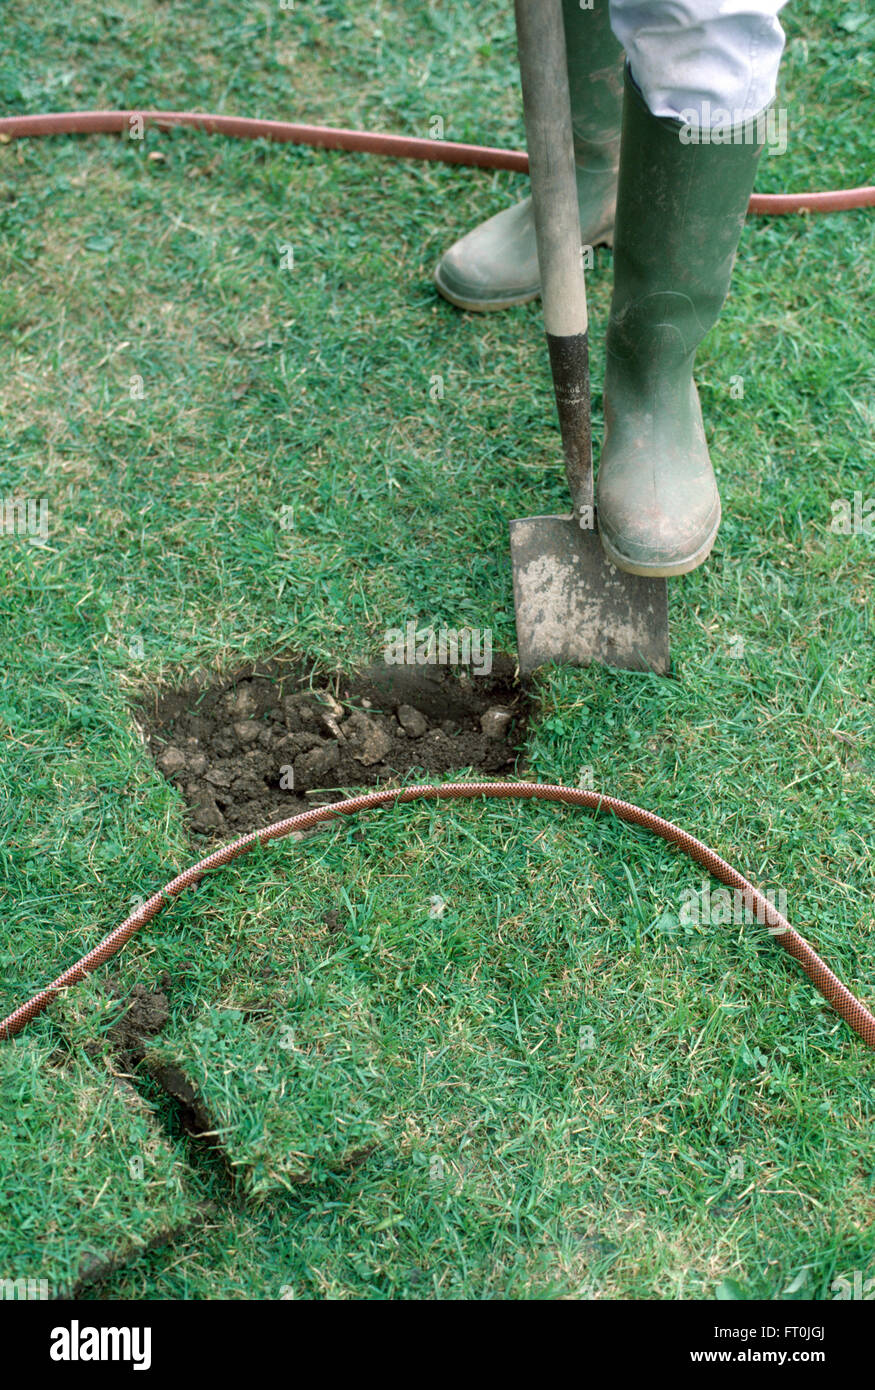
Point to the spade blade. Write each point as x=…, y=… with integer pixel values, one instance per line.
x=574, y=607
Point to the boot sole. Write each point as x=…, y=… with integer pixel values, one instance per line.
x=488, y=306
x=684, y=566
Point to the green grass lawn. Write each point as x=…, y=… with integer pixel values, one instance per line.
x=552, y=1086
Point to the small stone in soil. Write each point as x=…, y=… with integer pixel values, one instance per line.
x=412, y=721
x=495, y=721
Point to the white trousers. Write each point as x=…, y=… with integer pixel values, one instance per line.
x=704, y=56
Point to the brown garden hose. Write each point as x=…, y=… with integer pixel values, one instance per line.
x=844, y=1003
x=369, y=142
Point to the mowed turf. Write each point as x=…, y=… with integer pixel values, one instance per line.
x=550, y=1084
x=89, y=1177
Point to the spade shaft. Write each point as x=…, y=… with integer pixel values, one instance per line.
x=547, y=110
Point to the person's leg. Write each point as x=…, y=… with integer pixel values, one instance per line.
x=702, y=55
x=496, y=264
x=680, y=210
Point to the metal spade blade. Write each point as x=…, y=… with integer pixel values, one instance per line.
x=574, y=607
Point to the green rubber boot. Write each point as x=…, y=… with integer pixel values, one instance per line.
x=496, y=265
x=680, y=211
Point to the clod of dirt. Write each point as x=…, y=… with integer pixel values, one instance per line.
x=146, y=1014
x=368, y=741
x=267, y=743
x=171, y=761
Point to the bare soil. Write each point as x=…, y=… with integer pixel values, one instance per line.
x=267, y=742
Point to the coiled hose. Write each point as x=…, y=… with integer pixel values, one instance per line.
x=845, y=1004
x=369, y=142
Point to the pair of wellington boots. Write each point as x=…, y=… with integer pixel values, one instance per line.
x=673, y=208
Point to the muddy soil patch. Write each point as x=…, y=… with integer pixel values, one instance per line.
x=146, y=1013
x=269, y=741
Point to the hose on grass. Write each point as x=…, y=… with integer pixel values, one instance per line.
x=845, y=1004
x=369, y=142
